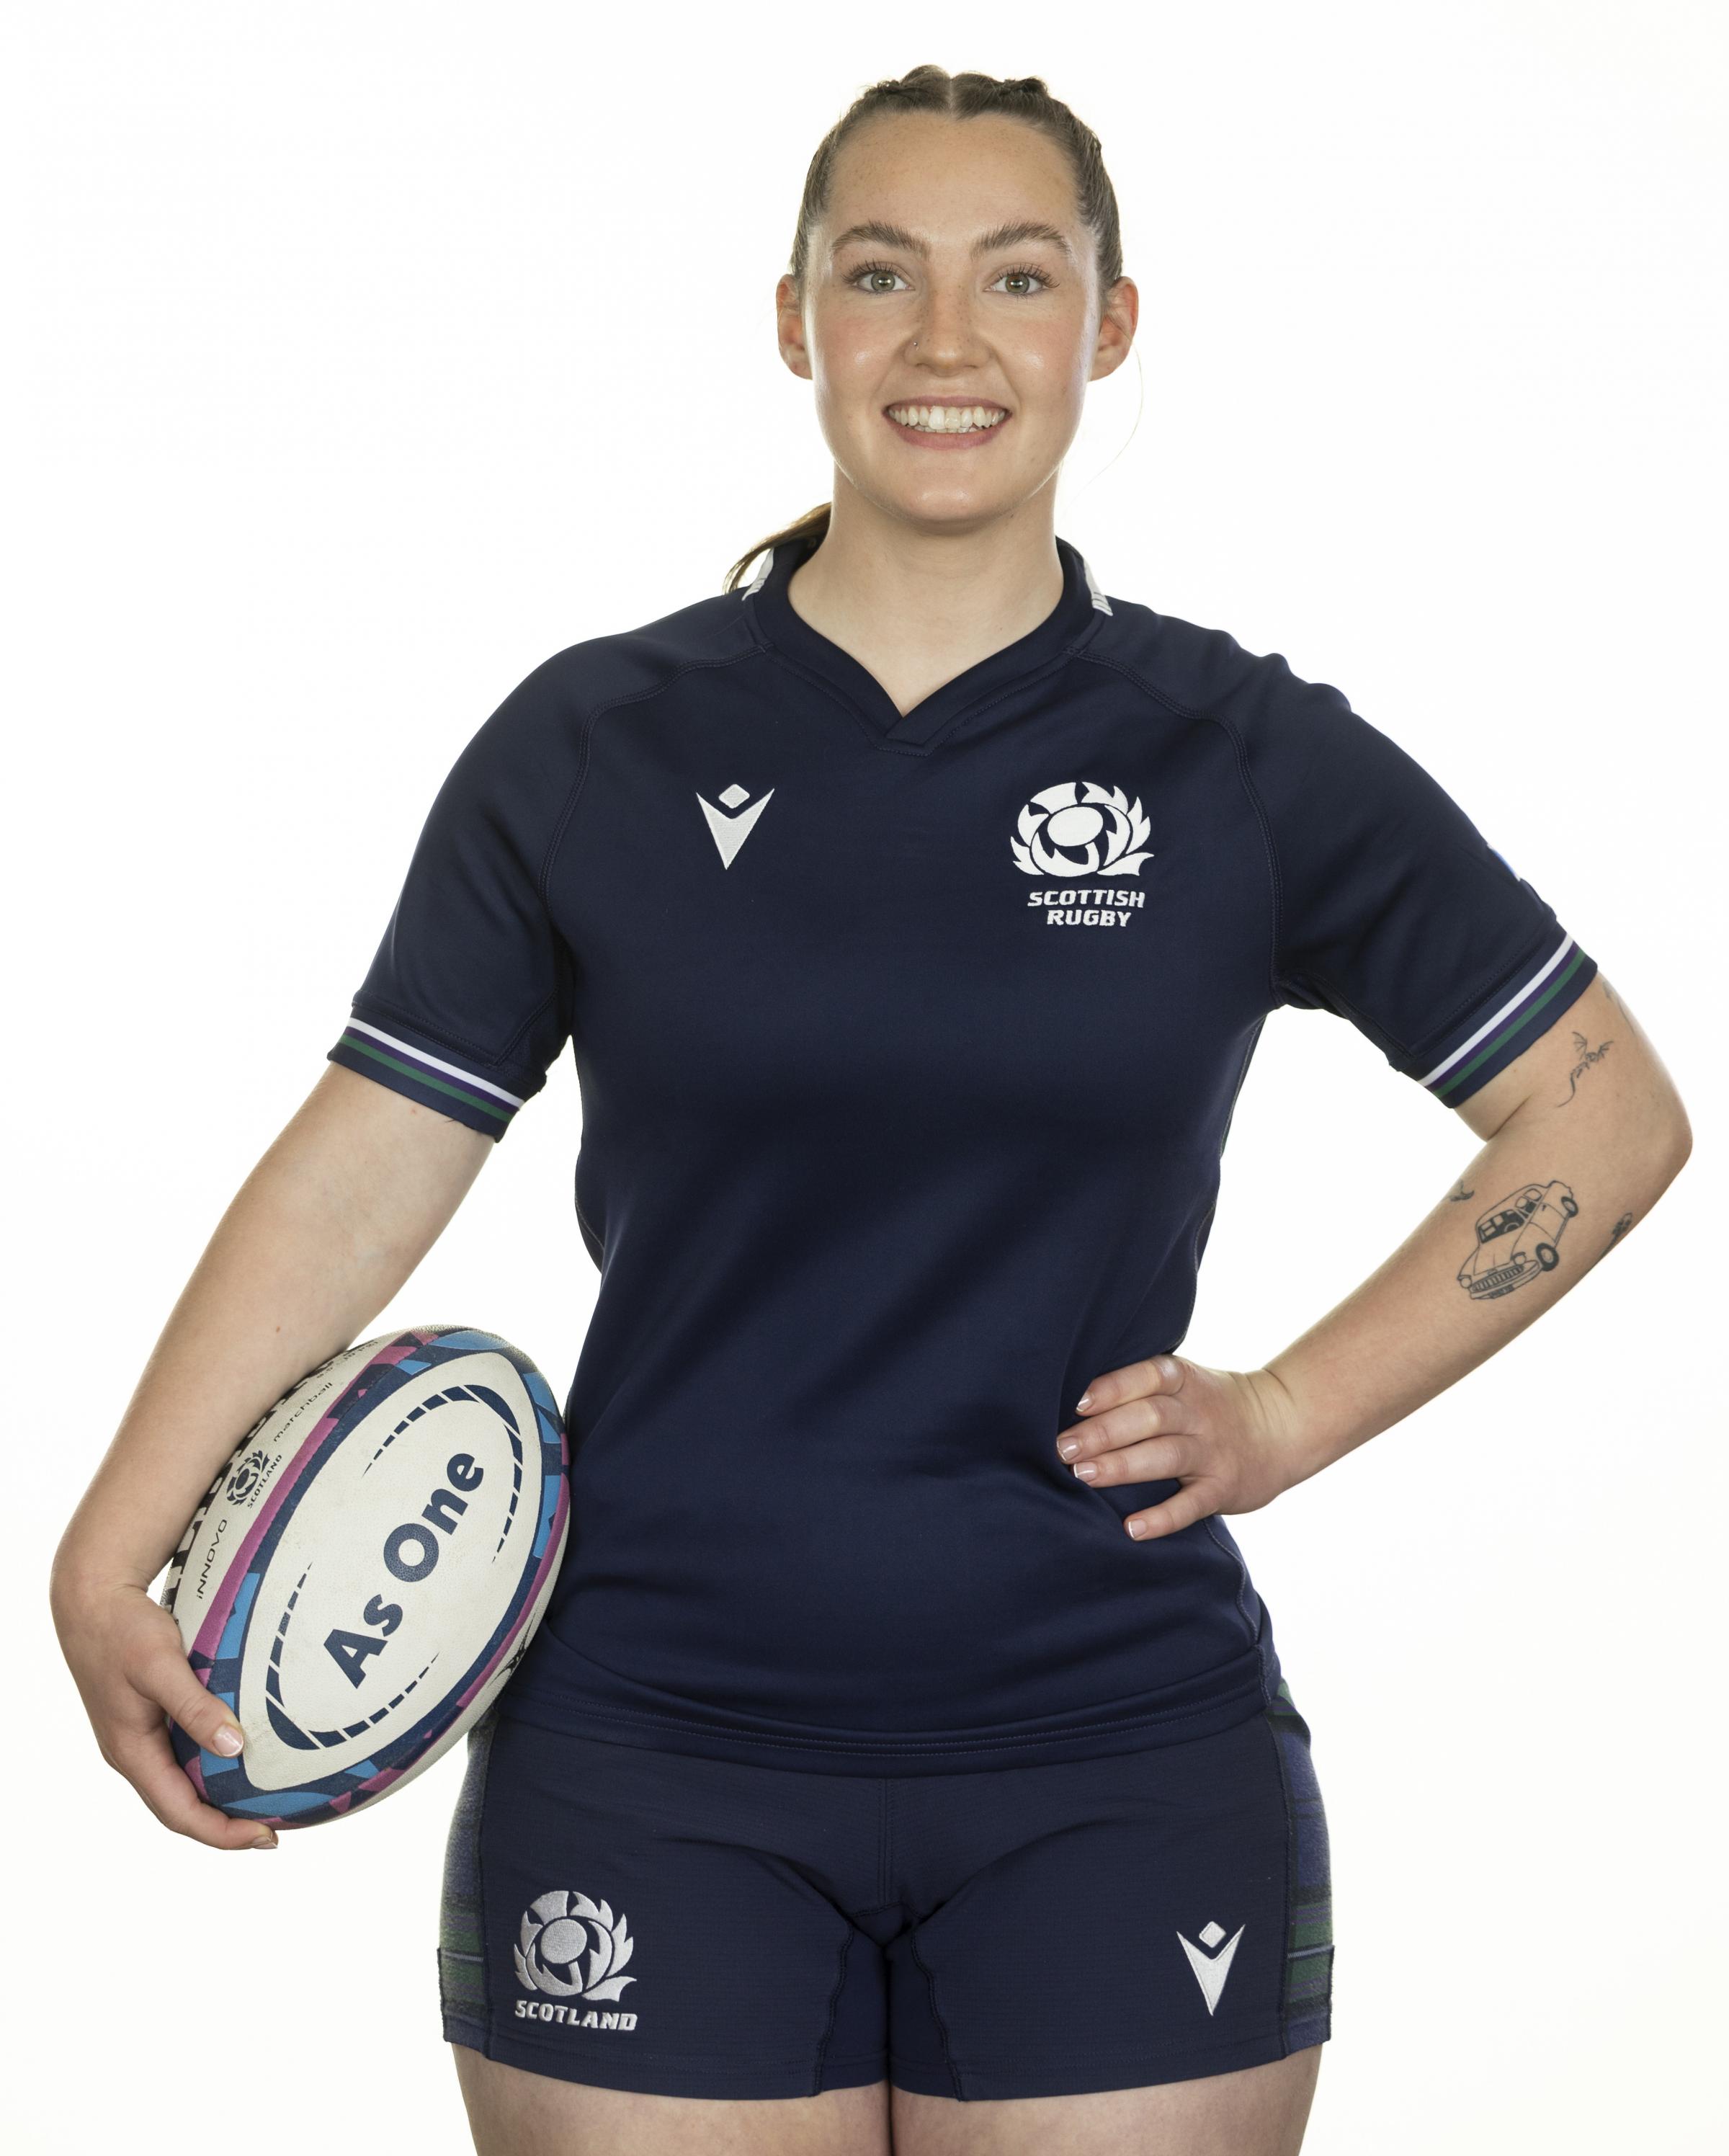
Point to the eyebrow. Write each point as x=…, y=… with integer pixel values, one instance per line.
x=1004, y=235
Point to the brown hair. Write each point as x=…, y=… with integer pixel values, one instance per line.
x=958, y=97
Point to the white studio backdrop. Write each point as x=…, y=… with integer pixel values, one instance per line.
x=361, y=359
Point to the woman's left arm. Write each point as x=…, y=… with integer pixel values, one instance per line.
x=1582, y=1133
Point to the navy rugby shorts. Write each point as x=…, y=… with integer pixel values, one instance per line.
x=641, y=1919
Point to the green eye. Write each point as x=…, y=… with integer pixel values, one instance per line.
x=1028, y=271
x=872, y=269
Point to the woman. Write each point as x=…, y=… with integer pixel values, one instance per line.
x=905, y=1703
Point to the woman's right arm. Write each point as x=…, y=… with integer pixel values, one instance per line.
x=325, y=1231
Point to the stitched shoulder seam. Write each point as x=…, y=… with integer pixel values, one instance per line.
x=1240, y=755
x=544, y=880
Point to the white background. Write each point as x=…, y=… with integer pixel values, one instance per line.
x=362, y=356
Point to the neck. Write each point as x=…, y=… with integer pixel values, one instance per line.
x=917, y=605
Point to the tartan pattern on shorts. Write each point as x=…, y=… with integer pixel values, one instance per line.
x=1307, y=2007
x=462, y=1967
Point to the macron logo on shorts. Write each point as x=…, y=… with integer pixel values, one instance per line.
x=1212, y=1964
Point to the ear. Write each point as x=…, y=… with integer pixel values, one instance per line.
x=789, y=328
x=1118, y=315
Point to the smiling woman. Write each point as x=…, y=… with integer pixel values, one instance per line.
x=901, y=1634
x=957, y=250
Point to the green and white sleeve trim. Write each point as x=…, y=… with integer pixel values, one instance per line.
x=1528, y=1013
x=405, y=1068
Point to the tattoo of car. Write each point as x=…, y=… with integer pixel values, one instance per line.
x=1517, y=1240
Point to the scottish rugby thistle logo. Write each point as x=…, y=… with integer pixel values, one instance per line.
x=1081, y=829
x=557, y=1931
x=242, y=1485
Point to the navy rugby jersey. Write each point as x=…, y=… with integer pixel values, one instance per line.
x=907, y=1048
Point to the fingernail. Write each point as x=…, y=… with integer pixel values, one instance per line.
x=1081, y=1404
x=1085, y=1469
x=264, y=1841
x=227, y=1739
x=1136, y=1528
x=1068, y=1447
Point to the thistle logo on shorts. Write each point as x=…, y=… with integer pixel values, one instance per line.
x=558, y=1930
x=1081, y=829
x=1212, y=1964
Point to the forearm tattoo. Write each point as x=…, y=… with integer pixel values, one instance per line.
x=1517, y=1241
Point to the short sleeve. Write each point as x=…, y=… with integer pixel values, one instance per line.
x=1392, y=909
x=467, y=1002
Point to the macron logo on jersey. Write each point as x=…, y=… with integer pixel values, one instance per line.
x=730, y=824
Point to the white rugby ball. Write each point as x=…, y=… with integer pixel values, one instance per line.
x=369, y=1567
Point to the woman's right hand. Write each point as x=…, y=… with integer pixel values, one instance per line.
x=125, y=1654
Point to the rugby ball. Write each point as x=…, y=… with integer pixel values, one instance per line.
x=368, y=1569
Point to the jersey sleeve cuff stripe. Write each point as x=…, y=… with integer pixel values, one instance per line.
x=445, y=1086
x=1525, y=1015
x=418, y=1058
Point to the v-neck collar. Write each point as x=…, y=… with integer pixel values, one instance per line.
x=1076, y=614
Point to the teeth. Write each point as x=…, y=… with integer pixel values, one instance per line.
x=946, y=418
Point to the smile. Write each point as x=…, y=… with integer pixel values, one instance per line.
x=952, y=429
x=946, y=418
